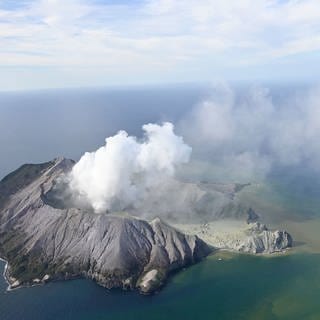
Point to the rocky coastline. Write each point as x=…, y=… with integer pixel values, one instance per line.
x=42, y=243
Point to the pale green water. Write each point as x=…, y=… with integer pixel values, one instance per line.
x=39, y=127
x=238, y=287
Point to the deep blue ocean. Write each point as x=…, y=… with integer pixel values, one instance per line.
x=39, y=126
x=236, y=287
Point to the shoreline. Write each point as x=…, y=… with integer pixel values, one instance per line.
x=228, y=235
x=5, y=274
x=219, y=235
x=6, y=278
x=216, y=251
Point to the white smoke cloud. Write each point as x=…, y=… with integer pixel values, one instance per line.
x=248, y=134
x=240, y=135
x=119, y=174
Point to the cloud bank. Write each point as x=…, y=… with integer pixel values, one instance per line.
x=248, y=134
x=121, y=173
x=235, y=135
x=53, y=43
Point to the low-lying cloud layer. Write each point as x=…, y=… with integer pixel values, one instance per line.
x=248, y=134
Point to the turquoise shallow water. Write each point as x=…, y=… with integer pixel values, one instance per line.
x=37, y=127
x=237, y=287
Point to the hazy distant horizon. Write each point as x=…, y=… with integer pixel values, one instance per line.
x=40, y=125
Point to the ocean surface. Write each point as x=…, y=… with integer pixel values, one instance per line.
x=38, y=126
x=236, y=287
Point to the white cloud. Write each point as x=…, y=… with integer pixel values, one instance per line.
x=249, y=134
x=118, y=174
x=157, y=34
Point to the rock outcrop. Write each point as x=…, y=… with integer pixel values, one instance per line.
x=262, y=240
x=46, y=236
x=43, y=243
x=240, y=236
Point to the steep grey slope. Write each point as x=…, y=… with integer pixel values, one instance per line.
x=41, y=242
x=189, y=201
x=46, y=235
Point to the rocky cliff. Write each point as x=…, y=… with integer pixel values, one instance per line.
x=45, y=235
x=240, y=236
x=42, y=242
x=261, y=240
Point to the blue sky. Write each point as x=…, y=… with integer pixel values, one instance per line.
x=59, y=43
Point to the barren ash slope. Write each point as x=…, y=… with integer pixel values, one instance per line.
x=43, y=242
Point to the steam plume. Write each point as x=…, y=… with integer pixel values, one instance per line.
x=119, y=174
x=248, y=134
